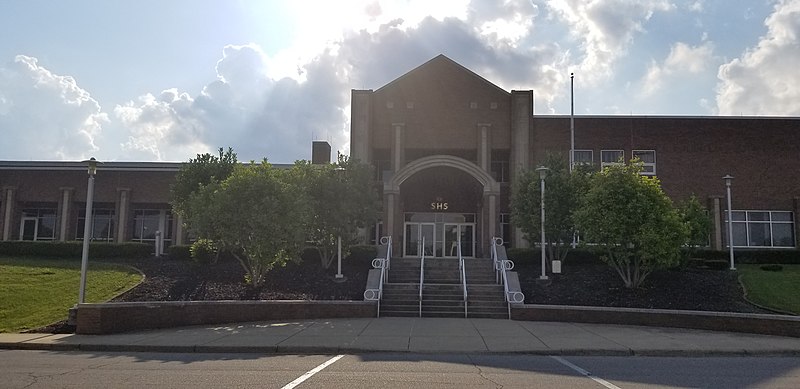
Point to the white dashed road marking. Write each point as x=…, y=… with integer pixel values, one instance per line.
x=311, y=372
x=585, y=373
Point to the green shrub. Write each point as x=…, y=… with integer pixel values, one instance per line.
x=179, y=253
x=772, y=268
x=203, y=251
x=756, y=256
x=534, y=255
x=362, y=254
x=74, y=249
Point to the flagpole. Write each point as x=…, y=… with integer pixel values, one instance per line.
x=571, y=121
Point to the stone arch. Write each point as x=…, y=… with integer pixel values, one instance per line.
x=490, y=186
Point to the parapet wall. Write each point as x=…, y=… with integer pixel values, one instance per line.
x=108, y=318
x=781, y=325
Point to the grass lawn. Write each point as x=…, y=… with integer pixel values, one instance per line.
x=773, y=289
x=36, y=292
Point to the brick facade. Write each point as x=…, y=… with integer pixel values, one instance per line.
x=443, y=134
x=442, y=108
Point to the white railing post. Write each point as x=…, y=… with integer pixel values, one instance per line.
x=383, y=264
x=463, y=274
x=421, y=272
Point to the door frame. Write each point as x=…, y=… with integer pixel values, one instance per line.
x=420, y=226
x=35, y=226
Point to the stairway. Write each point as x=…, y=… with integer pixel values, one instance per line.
x=442, y=293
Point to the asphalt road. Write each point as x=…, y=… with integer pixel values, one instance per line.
x=48, y=369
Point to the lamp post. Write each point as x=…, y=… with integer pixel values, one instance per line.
x=728, y=178
x=571, y=121
x=542, y=175
x=87, y=228
x=339, y=277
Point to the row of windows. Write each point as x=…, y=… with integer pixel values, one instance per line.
x=762, y=228
x=614, y=157
x=40, y=224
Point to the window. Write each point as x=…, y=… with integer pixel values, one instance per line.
x=375, y=234
x=648, y=158
x=500, y=171
x=147, y=221
x=611, y=157
x=500, y=165
x=102, y=228
x=38, y=224
x=583, y=157
x=762, y=228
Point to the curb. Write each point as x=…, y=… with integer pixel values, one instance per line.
x=302, y=350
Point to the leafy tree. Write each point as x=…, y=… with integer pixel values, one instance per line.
x=632, y=221
x=342, y=199
x=698, y=223
x=199, y=172
x=562, y=195
x=257, y=214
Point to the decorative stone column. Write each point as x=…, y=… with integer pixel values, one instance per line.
x=390, y=211
x=8, y=210
x=123, y=208
x=398, y=146
x=490, y=231
x=484, y=147
x=64, y=212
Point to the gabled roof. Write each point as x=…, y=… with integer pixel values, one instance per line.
x=439, y=60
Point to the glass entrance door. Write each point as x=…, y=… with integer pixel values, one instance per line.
x=463, y=232
x=413, y=239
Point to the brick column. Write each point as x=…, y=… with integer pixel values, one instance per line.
x=715, y=208
x=122, y=209
x=178, y=238
x=64, y=212
x=796, y=210
x=8, y=210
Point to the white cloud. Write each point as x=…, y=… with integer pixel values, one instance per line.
x=44, y=115
x=605, y=29
x=244, y=108
x=764, y=80
x=683, y=60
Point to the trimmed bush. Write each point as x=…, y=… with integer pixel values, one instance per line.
x=179, y=253
x=203, y=251
x=362, y=254
x=772, y=268
x=74, y=249
x=758, y=257
x=531, y=255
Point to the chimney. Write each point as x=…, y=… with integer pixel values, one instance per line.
x=320, y=152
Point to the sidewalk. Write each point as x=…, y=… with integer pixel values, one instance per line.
x=423, y=335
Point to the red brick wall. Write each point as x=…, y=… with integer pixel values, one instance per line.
x=692, y=154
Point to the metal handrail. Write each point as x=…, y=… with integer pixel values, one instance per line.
x=384, y=264
x=502, y=266
x=462, y=268
x=421, y=272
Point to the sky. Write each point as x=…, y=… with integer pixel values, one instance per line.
x=154, y=80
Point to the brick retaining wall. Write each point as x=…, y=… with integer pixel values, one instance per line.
x=108, y=318
x=782, y=325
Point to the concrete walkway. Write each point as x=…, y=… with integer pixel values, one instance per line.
x=423, y=335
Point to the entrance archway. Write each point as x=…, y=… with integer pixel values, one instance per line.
x=458, y=197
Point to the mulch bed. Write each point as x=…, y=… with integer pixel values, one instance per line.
x=167, y=280
x=596, y=284
x=584, y=284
